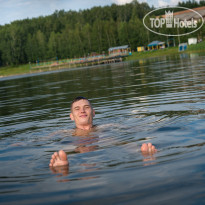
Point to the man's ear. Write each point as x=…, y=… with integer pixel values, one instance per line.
x=93, y=113
x=71, y=116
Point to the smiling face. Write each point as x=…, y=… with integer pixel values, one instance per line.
x=82, y=113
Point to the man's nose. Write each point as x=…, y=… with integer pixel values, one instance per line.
x=82, y=109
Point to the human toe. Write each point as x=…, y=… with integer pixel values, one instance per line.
x=144, y=147
x=62, y=155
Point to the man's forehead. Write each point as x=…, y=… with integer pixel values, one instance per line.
x=81, y=102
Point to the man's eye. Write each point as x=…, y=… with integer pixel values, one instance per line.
x=77, y=108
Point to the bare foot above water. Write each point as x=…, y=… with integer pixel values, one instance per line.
x=59, y=159
x=148, y=149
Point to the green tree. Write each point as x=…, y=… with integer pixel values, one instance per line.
x=52, y=45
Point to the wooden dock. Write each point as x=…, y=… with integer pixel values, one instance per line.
x=78, y=62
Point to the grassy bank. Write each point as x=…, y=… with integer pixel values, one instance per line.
x=14, y=70
x=200, y=47
x=153, y=53
x=25, y=69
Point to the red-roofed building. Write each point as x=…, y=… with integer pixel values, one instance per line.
x=189, y=14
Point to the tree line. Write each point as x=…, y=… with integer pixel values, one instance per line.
x=69, y=34
x=192, y=4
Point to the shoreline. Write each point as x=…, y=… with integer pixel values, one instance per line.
x=25, y=69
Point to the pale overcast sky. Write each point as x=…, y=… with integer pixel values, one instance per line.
x=11, y=10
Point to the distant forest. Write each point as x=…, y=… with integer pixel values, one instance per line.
x=192, y=4
x=69, y=34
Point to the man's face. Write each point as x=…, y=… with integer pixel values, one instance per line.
x=82, y=113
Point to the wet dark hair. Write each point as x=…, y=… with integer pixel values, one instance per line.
x=77, y=99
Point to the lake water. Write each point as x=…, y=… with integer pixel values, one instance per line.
x=160, y=100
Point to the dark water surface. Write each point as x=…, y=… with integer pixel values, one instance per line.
x=160, y=100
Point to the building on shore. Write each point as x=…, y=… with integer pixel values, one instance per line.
x=192, y=41
x=182, y=47
x=119, y=51
x=140, y=48
x=156, y=45
x=189, y=14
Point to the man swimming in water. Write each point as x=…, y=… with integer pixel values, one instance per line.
x=82, y=114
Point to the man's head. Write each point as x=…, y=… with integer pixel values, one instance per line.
x=82, y=113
